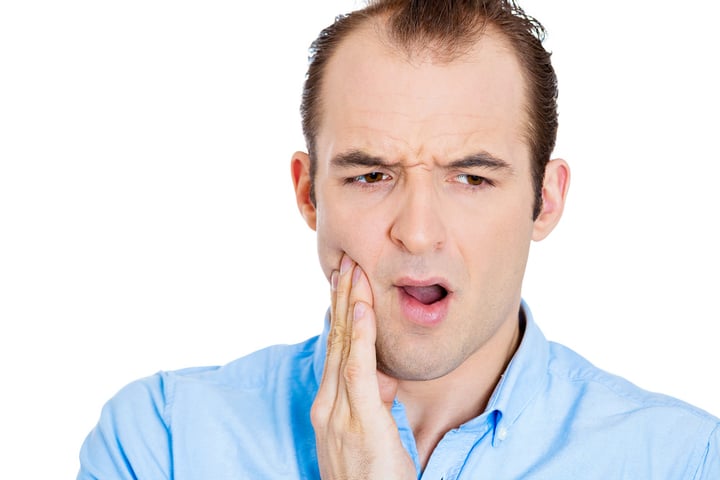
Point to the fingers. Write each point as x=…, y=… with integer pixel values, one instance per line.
x=359, y=370
x=355, y=434
x=346, y=290
x=359, y=366
x=338, y=337
x=360, y=290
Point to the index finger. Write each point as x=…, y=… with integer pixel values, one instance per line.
x=338, y=336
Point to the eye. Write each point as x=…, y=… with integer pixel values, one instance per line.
x=372, y=177
x=474, y=180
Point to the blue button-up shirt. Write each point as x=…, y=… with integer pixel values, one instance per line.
x=552, y=416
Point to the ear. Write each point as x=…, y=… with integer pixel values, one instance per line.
x=555, y=188
x=300, y=170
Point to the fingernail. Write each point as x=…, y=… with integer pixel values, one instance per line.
x=358, y=310
x=334, y=280
x=356, y=275
x=345, y=264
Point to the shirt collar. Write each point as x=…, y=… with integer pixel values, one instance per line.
x=525, y=375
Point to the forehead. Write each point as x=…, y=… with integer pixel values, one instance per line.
x=378, y=98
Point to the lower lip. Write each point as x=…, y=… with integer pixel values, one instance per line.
x=421, y=314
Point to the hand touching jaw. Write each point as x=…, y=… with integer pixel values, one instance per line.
x=355, y=433
x=356, y=436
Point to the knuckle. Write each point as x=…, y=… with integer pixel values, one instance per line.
x=336, y=336
x=319, y=413
x=352, y=373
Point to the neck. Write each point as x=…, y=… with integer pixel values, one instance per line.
x=434, y=407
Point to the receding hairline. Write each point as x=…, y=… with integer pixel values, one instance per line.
x=426, y=47
x=434, y=51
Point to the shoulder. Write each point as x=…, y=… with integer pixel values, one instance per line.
x=271, y=364
x=268, y=366
x=599, y=401
x=132, y=435
x=197, y=406
x=565, y=366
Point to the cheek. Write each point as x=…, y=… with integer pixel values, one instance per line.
x=499, y=243
x=341, y=232
x=512, y=246
x=329, y=245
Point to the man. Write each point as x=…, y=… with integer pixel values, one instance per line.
x=429, y=128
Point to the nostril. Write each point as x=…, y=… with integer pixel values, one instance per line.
x=418, y=228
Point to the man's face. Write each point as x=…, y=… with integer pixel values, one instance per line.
x=424, y=179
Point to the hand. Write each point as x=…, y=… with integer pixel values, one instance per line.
x=356, y=435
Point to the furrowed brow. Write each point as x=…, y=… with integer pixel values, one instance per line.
x=481, y=160
x=357, y=158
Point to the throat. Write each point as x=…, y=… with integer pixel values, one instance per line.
x=430, y=424
x=434, y=407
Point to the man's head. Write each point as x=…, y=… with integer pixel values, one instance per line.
x=445, y=29
x=423, y=173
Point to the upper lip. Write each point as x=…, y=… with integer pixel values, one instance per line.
x=425, y=282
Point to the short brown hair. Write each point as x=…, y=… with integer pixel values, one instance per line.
x=451, y=27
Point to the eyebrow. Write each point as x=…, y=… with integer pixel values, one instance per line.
x=358, y=158
x=481, y=160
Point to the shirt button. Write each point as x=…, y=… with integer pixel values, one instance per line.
x=502, y=433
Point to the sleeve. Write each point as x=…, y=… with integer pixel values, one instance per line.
x=709, y=468
x=132, y=437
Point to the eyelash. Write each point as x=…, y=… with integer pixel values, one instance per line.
x=483, y=181
x=361, y=179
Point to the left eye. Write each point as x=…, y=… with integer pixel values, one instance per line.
x=475, y=180
x=372, y=177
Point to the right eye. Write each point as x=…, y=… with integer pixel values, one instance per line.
x=372, y=177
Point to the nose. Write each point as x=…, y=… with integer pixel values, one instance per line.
x=418, y=226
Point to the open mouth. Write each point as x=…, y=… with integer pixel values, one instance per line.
x=427, y=294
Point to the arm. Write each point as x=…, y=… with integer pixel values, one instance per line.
x=356, y=435
x=709, y=468
x=131, y=439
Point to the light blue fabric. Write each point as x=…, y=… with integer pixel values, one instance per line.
x=552, y=416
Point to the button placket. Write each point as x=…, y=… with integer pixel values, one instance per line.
x=450, y=455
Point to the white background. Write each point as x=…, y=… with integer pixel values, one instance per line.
x=147, y=219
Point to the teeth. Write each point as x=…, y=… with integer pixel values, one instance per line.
x=426, y=295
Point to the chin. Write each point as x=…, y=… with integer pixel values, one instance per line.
x=413, y=363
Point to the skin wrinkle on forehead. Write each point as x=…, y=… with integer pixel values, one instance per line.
x=479, y=160
x=441, y=159
x=419, y=148
x=430, y=53
x=413, y=118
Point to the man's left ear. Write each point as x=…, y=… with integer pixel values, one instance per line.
x=555, y=187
